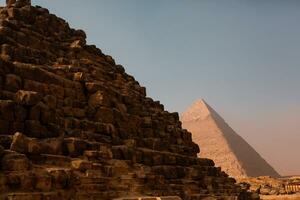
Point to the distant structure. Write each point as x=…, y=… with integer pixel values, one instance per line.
x=293, y=187
x=218, y=141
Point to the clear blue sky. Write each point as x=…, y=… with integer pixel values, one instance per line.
x=241, y=56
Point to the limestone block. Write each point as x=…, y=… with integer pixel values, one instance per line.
x=147, y=122
x=24, y=196
x=50, y=101
x=27, y=98
x=6, y=110
x=56, y=91
x=43, y=182
x=98, y=99
x=75, y=147
x=13, y=82
x=20, y=113
x=81, y=165
x=35, y=111
x=36, y=86
x=158, y=159
x=78, y=113
x=60, y=177
x=34, y=129
x=119, y=167
x=170, y=198
x=23, y=144
x=78, y=76
x=14, y=162
x=13, y=181
x=205, y=162
x=93, y=87
x=27, y=180
x=169, y=159
x=77, y=44
x=110, y=60
x=104, y=115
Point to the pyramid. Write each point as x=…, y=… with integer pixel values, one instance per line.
x=75, y=126
x=218, y=141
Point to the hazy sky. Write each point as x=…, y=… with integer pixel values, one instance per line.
x=241, y=56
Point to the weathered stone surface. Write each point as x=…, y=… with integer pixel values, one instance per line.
x=81, y=165
x=22, y=144
x=50, y=101
x=86, y=128
x=98, y=99
x=14, y=162
x=6, y=110
x=75, y=147
x=13, y=82
x=27, y=98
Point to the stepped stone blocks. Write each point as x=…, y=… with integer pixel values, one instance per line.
x=221, y=143
x=75, y=126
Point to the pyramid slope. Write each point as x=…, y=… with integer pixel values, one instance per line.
x=218, y=141
x=75, y=125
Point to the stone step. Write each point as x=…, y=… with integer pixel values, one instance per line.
x=171, y=172
x=100, y=155
x=95, y=173
x=92, y=180
x=51, y=160
x=93, y=187
x=200, y=197
x=13, y=161
x=151, y=157
x=92, y=196
x=29, y=196
x=97, y=137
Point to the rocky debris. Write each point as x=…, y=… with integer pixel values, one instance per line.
x=74, y=125
x=219, y=142
x=268, y=186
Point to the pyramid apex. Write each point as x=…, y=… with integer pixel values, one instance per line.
x=198, y=110
x=200, y=102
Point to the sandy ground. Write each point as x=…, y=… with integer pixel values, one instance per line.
x=280, y=197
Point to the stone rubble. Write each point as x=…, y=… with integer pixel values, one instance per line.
x=74, y=125
x=266, y=185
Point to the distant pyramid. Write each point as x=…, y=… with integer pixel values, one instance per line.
x=218, y=141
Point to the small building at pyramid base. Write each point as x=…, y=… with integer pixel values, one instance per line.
x=219, y=142
x=75, y=126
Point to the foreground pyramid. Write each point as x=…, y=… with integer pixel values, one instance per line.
x=75, y=126
x=218, y=141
